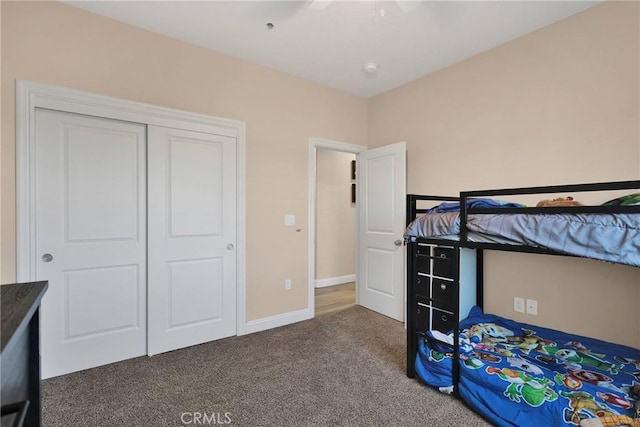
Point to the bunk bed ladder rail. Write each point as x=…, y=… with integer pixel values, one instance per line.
x=455, y=374
x=412, y=347
x=412, y=211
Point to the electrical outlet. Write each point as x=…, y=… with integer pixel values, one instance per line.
x=518, y=304
x=287, y=284
x=532, y=307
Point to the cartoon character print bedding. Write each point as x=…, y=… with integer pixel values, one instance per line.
x=517, y=374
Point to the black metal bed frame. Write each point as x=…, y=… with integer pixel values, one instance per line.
x=412, y=211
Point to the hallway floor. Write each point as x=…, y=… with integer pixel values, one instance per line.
x=334, y=298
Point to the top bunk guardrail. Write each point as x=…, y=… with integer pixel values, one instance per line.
x=412, y=204
x=626, y=217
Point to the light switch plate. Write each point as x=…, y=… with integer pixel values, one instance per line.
x=532, y=307
x=518, y=304
x=289, y=219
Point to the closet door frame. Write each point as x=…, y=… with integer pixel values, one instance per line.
x=31, y=95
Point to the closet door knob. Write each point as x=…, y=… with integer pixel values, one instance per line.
x=398, y=242
x=230, y=246
x=47, y=258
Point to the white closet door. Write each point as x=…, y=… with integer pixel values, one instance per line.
x=90, y=208
x=192, y=238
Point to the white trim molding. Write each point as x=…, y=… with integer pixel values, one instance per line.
x=276, y=321
x=333, y=281
x=314, y=145
x=30, y=96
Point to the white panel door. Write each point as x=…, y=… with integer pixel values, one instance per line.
x=381, y=200
x=90, y=239
x=192, y=238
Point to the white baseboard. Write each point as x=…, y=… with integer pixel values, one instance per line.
x=276, y=321
x=332, y=281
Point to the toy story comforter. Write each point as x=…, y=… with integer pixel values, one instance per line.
x=517, y=374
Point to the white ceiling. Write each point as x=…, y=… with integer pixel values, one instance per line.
x=331, y=45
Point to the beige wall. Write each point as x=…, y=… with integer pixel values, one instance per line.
x=50, y=42
x=557, y=106
x=335, y=215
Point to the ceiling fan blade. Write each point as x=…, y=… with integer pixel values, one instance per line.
x=319, y=4
x=408, y=5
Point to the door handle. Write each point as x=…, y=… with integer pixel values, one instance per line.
x=47, y=258
x=230, y=246
x=398, y=242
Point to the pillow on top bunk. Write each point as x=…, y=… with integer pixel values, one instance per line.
x=628, y=200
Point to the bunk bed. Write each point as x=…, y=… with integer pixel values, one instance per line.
x=514, y=373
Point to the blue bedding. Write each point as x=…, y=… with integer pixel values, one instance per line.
x=606, y=237
x=517, y=374
x=474, y=203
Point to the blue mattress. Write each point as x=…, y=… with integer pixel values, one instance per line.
x=517, y=374
x=606, y=237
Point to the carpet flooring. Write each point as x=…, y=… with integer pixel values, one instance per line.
x=345, y=368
